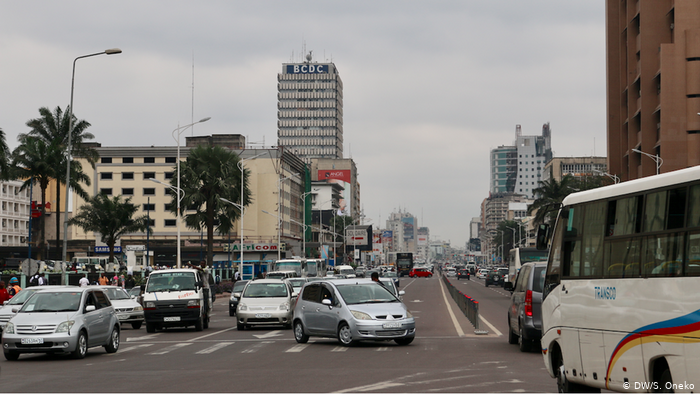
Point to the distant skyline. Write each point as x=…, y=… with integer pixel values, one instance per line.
x=429, y=87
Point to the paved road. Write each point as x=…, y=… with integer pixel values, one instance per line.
x=445, y=357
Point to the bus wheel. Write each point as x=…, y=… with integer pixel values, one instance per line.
x=665, y=382
x=565, y=386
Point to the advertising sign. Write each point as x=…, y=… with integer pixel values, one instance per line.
x=356, y=237
x=343, y=178
x=307, y=68
x=422, y=240
x=105, y=249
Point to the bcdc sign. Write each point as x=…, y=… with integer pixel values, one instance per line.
x=307, y=68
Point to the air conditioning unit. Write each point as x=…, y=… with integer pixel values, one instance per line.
x=22, y=239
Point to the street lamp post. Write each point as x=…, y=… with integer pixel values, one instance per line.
x=179, y=132
x=242, y=209
x=291, y=220
x=303, y=199
x=240, y=206
x=69, y=148
x=659, y=161
x=180, y=196
x=615, y=178
x=279, y=217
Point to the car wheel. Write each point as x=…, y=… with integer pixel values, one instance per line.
x=299, y=333
x=150, y=328
x=404, y=341
x=512, y=338
x=345, y=335
x=113, y=344
x=198, y=325
x=11, y=356
x=81, y=347
x=525, y=344
x=136, y=325
x=430, y=276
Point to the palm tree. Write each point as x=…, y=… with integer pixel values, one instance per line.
x=111, y=217
x=550, y=194
x=53, y=129
x=209, y=174
x=5, y=173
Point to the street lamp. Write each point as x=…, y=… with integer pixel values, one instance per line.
x=293, y=221
x=279, y=210
x=303, y=199
x=615, y=178
x=320, y=221
x=659, y=161
x=180, y=196
x=179, y=132
x=242, y=209
x=69, y=148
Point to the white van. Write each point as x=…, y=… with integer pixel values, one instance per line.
x=346, y=270
x=176, y=298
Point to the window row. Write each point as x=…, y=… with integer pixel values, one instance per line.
x=130, y=160
x=129, y=191
x=127, y=176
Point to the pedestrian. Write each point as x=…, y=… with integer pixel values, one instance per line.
x=42, y=280
x=34, y=280
x=103, y=280
x=4, y=295
x=236, y=276
x=217, y=279
x=14, y=287
x=122, y=281
x=115, y=280
x=375, y=276
x=84, y=282
x=204, y=270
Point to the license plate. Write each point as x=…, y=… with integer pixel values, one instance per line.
x=263, y=315
x=171, y=318
x=391, y=325
x=32, y=341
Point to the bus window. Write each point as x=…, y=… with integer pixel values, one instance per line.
x=692, y=267
x=593, y=234
x=622, y=259
x=663, y=255
x=625, y=214
x=655, y=211
x=553, y=276
x=676, y=208
x=694, y=207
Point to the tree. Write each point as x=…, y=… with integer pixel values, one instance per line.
x=52, y=128
x=505, y=236
x=550, y=194
x=5, y=169
x=209, y=174
x=111, y=217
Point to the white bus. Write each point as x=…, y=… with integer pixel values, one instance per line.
x=289, y=265
x=314, y=268
x=621, y=308
x=520, y=256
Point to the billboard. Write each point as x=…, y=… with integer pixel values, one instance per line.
x=344, y=179
x=422, y=240
x=307, y=68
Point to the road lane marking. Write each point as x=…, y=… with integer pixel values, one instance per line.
x=339, y=349
x=383, y=349
x=208, y=335
x=135, y=347
x=276, y=333
x=371, y=387
x=169, y=349
x=298, y=348
x=150, y=336
x=449, y=309
x=212, y=349
x=491, y=326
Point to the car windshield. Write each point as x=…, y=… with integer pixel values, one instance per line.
x=390, y=274
x=116, y=294
x=389, y=284
x=263, y=290
x=238, y=286
x=296, y=283
x=171, y=281
x=49, y=301
x=366, y=293
x=21, y=297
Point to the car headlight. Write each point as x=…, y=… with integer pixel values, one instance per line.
x=9, y=328
x=65, y=326
x=193, y=304
x=361, y=315
x=284, y=306
x=408, y=313
x=138, y=308
x=242, y=307
x=150, y=305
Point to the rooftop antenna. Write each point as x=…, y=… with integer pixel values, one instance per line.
x=309, y=56
x=192, y=114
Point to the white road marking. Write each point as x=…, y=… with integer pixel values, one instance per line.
x=298, y=348
x=150, y=336
x=383, y=349
x=169, y=349
x=271, y=334
x=449, y=309
x=212, y=349
x=339, y=349
x=371, y=387
x=208, y=335
x=135, y=347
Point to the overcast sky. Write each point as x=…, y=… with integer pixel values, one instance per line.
x=430, y=87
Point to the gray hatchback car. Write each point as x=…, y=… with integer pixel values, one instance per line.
x=351, y=310
x=66, y=320
x=525, y=312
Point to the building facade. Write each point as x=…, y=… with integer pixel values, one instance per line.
x=310, y=109
x=578, y=167
x=653, y=86
x=15, y=212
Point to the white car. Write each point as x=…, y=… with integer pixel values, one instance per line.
x=16, y=302
x=128, y=309
x=481, y=274
x=451, y=272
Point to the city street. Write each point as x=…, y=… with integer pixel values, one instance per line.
x=447, y=356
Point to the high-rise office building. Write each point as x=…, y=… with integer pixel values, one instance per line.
x=653, y=86
x=518, y=169
x=310, y=109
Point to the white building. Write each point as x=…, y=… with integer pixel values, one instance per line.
x=15, y=209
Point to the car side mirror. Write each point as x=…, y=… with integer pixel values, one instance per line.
x=326, y=301
x=143, y=288
x=199, y=284
x=89, y=308
x=542, y=237
x=401, y=292
x=237, y=295
x=508, y=286
x=294, y=294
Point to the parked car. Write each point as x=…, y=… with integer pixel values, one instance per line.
x=11, y=307
x=265, y=302
x=420, y=273
x=65, y=320
x=352, y=310
x=463, y=273
x=496, y=277
x=128, y=309
x=233, y=300
x=525, y=312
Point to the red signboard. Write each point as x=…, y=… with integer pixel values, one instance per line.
x=342, y=175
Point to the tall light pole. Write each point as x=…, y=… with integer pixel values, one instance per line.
x=69, y=148
x=180, y=195
x=242, y=209
x=240, y=206
x=320, y=220
x=615, y=178
x=179, y=132
x=659, y=161
x=303, y=199
x=279, y=217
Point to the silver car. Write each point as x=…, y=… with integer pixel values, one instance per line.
x=265, y=302
x=67, y=320
x=352, y=310
x=12, y=306
x=127, y=308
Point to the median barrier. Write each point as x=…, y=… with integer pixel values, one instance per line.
x=468, y=305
